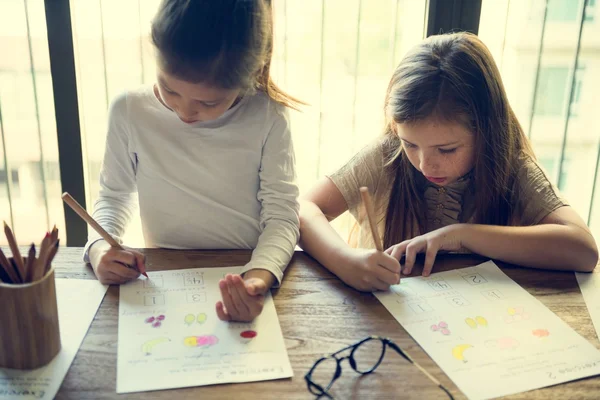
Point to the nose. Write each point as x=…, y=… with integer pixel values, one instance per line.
x=186, y=110
x=428, y=163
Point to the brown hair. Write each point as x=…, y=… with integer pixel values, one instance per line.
x=452, y=78
x=228, y=43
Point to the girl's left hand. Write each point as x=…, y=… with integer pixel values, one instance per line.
x=243, y=300
x=448, y=238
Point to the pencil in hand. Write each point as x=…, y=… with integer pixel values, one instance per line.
x=366, y=198
x=71, y=202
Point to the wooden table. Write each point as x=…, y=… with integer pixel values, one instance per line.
x=318, y=314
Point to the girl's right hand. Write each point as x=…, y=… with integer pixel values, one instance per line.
x=113, y=266
x=369, y=270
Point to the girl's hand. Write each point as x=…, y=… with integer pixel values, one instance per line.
x=447, y=238
x=369, y=270
x=243, y=299
x=113, y=266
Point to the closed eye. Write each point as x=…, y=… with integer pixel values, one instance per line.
x=409, y=145
x=447, y=151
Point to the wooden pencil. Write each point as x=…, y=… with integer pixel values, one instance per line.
x=8, y=268
x=92, y=222
x=51, y=255
x=366, y=198
x=31, y=262
x=12, y=243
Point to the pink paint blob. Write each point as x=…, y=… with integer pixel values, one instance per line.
x=445, y=331
x=149, y=320
x=160, y=317
x=156, y=324
x=434, y=328
x=207, y=340
x=248, y=334
x=443, y=324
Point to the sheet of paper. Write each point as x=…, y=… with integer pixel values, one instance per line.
x=78, y=300
x=590, y=289
x=487, y=333
x=170, y=336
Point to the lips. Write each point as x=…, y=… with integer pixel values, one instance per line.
x=435, y=180
x=188, y=121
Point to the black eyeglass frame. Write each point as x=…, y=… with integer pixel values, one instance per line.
x=319, y=391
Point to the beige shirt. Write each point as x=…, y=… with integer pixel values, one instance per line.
x=451, y=204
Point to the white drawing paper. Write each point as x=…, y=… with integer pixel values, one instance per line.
x=589, y=283
x=77, y=300
x=487, y=333
x=170, y=335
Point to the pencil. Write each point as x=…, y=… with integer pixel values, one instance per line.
x=53, y=251
x=31, y=262
x=366, y=198
x=8, y=268
x=92, y=222
x=12, y=243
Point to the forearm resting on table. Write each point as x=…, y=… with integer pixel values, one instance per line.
x=319, y=239
x=551, y=246
x=265, y=275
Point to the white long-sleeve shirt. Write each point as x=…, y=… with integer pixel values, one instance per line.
x=229, y=183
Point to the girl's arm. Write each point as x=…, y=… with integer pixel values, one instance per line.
x=322, y=204
x=278, y=195
x=243, y=298
x=362, y=269
x=561, y=241
x=116, y=202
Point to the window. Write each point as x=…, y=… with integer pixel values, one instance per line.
x=530, y=49
x=590, y=10
x=553, y=85
x=551, y=92
x=30, y=201
x=563, y=10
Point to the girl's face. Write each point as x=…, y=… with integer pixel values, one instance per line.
x=442, y=151
x=193, y=102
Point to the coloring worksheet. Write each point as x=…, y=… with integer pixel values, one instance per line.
x=170, y=335
x=589, y=283
x=487, y=333
x=77, y=301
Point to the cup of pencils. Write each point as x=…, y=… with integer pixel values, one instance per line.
x=29, y=330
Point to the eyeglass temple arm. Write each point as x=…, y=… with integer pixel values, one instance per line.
x=423, y=370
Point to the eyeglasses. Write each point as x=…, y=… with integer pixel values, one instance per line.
x=364, y=358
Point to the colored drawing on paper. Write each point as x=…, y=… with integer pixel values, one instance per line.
x=148, y=346
x=201, y=318
x=541, y=333
x=189, y=319
x=442, y=327
x=516, y=314
x=458, y=352
x=473, y=323
x=155, y=322
x=503, y=343
x=248, y=334
x=201, y=341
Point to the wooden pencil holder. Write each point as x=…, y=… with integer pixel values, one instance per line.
x=29, y=331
